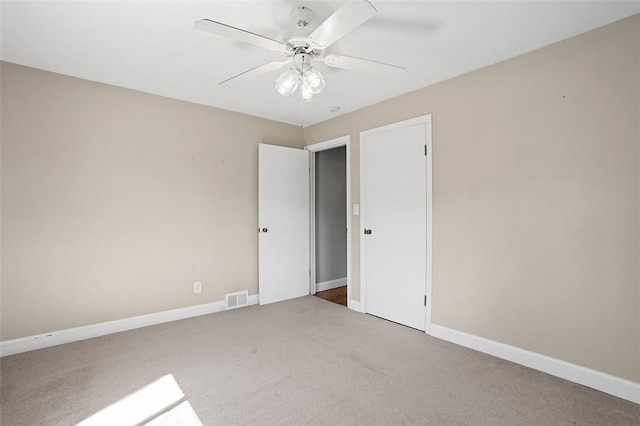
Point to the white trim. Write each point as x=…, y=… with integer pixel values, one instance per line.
x=45, y=340
x=429, y=173
x=603, y=382
x=353, y=305
x=329, y=285
x=330, y=144
x=323, y=146
x=426, y=120
x=363, y=289
x=312, y=223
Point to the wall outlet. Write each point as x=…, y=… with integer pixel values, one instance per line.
x=197, y=287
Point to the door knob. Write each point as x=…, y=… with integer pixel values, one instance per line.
x=367, y=231
x=264, y=229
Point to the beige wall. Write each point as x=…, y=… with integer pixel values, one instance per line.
x=114, y=202
x=536, y=238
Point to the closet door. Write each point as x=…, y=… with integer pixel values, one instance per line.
x=394, y=222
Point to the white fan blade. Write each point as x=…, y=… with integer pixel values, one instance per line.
x=238, y=34
x=254, y=72
x=342, y=22
x=363, y=65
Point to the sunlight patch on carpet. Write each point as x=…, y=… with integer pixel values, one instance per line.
x=155, y=401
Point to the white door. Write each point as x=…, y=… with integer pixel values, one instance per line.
x=394, y=222
x=283, y=220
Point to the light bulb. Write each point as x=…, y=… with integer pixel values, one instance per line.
x=313, y=81
x=305, y=93
x=287, y=83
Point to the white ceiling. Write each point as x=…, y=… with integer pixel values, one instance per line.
x=153, y=47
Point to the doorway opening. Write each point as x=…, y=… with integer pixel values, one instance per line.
x=336, y=295
x=330, y=221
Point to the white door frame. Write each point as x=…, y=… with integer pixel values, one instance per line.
x=318, y=147
x=426, y=120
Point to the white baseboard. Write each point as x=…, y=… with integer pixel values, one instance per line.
x=30, y=343
x=603, y=382
x=353, y=305
x=328, y=285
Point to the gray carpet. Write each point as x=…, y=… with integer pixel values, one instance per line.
x=303, y=361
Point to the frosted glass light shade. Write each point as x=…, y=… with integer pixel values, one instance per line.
x=305, y=93
x=313, y=81
x=287, y=83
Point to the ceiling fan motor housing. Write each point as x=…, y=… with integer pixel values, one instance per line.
x=301, y=59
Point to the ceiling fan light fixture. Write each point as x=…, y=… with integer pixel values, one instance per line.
x=287, y=83
x=304, y=76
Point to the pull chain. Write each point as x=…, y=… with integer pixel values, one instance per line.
x=301, y=101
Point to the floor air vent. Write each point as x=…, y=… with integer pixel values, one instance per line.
x=236, y=300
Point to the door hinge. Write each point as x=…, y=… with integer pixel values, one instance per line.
x=425, y=300
x=425, y=150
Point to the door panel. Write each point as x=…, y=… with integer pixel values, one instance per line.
x=283, y=218
x=395, y=211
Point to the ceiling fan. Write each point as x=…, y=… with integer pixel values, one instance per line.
x=301, y=49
